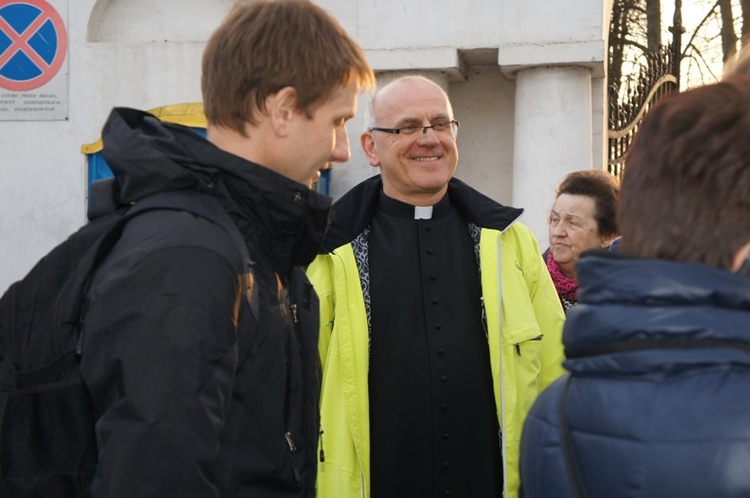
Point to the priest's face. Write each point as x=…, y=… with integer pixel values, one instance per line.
x=417, y=163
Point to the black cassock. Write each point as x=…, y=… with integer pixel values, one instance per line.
x=433, y=421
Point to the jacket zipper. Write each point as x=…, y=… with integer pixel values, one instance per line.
x=288, y=384
x=484, y=319
x=290, y=442
x=322, y=453
x=518, y=344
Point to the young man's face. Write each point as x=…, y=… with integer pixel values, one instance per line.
x=417, y=167
x=322, y=139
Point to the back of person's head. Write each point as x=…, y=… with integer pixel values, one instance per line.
x=603, y=188
x=686, y=186
x=263, y=46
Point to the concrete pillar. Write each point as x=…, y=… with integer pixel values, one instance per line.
x=553, y=137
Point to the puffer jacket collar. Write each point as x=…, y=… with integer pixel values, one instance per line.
x=147, y=156
x=637, y=300
x=353, y=212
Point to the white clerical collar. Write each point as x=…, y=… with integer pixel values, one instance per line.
x=422, y=212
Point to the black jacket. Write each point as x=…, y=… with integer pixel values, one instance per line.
x=205, y=383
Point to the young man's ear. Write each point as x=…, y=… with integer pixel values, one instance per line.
x=368, y=146
x=282, y=109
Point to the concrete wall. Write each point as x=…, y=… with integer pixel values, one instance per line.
x=139, y=53
x=146, y=53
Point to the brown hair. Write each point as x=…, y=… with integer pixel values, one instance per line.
x=603, y=188
x=264, y=46
x=686, y=187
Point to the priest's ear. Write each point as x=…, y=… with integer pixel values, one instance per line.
x=367, y=142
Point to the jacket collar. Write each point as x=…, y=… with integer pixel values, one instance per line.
x=629, y=297
x=650, y=316
x=147, y=155
x=607, y=277
x=353, y=212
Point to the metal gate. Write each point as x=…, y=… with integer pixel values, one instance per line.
x=655, y=79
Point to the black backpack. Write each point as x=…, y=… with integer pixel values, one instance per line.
x=47, y=442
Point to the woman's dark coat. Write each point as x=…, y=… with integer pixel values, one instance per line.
x=658, y=401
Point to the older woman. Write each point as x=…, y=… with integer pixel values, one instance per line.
x=583, y=217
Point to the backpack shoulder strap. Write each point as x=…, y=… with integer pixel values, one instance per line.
x=197, y=203
x=572, y=464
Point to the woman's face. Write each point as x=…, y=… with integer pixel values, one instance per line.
x=573, y=229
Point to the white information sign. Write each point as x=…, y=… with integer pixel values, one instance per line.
x=33, y=60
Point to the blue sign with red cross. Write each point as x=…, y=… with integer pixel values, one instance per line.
x=33, y=44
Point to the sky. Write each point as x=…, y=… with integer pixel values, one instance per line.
x=697, y=70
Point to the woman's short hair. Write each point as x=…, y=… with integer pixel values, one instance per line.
x=263, y=46
x=603, y=188
x=686, y=186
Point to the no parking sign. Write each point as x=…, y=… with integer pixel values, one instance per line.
x=33, y=60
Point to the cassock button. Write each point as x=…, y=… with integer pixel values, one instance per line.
x=433, y=276
x=438, y=326
x=446, y=435
x=429, y=251
x=447, y=465
x=445, y=406
x=428, y=228
x=443, y=378
x=440, y=351
x=434, y=300
x=447, y=492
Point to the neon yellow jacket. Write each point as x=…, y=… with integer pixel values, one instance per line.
x=525, y=357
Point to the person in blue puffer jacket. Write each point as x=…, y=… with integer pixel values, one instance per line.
x=655, y=402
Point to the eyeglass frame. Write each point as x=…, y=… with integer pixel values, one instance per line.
x=454, y=125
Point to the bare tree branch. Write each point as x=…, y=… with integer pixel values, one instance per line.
x=698, y=56
x=632, y=43
x=700, y=25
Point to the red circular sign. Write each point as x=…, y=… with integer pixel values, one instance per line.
x=26, y=27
